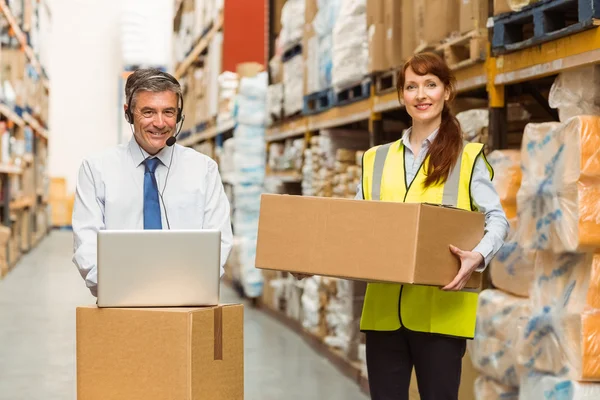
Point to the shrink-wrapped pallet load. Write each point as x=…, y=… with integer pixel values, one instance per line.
x=576, y=92
x=507, y=178
x=488, y=389
x=494, y=349
x=560, y=189
x=536, y=386
x=561, y=337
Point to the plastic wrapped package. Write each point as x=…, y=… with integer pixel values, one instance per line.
x=538, y=386
x=512, y=268
x=293, y=81
x=245, y=224
x=275, y=100
x=252, y=279
x=247, y=196
x=507, y=178
x=251, y=112
x=292, y=22
x=576, y=92
x=494, y=349
x=350, y=52
x=323, y=25
x=311, y=304
x=474, y=124
x=561, y=337
x=339, y=315
x=254, y=87
x=488, y=389
x=560, y=188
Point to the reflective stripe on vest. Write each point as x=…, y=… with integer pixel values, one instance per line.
x=422, y=308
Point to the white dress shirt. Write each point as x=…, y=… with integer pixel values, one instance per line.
x=110, y=195
x=484, y=195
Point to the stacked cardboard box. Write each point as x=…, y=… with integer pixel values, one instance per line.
x=332, y=161
x=390, y=31
x=61, y=204
x=347, y=173
x=4, y=240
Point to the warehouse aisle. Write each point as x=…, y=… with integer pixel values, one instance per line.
x=37, y=338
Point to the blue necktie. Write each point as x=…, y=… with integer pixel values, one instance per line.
x=152, y=218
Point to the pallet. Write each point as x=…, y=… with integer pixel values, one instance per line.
x=352, y=93
x=318, y=102
x=386, y=81
x=464, y=50
x=542, y=22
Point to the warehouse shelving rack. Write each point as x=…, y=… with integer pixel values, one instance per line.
x=40, y=137
x=499, y=79
x=199, y=133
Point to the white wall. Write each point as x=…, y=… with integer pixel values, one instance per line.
x=85, y=66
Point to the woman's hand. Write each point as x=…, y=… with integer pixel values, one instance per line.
x=469, y=261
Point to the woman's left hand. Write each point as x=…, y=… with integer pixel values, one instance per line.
x=469, y=261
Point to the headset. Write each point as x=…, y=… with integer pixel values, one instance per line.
x=170, y=141
x=180, y=116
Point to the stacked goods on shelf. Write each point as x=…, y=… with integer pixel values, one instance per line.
x=293, y=64
x=347, y=173
x=292, y=23
x=474, y=124
x=390, y=34
x=4, y=239
x=194, y=19
x=435, y=21
x=206, y=85
x=228, y=85
x=559, y=220
x=512, y=268
x=249, y=170
x=320, y=17
x=350, y=51
x=286, y=157
x=319, y=170
x=61, y=204
x=473, y=15
x=494, y=351
x=576, y=92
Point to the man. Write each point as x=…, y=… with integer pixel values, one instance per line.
x=148, y=183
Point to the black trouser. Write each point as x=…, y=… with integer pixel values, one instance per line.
x=392, y=355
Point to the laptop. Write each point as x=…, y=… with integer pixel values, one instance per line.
x=158, y=268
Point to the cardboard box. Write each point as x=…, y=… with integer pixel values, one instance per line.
x=436, y=20
x=501, y=7
x=408, y=27
x=377, y=54
x=473, y=15
x=375, y=12
x=365, y=240
x=160, y=353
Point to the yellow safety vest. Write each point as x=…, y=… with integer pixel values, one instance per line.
x=422, y=308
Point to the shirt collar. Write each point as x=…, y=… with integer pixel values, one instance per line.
x=139, y=155
x=405, y=137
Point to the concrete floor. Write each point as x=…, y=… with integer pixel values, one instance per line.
x=37, y=338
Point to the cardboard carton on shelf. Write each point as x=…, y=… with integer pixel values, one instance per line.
x=365, y=240
x=160, y=353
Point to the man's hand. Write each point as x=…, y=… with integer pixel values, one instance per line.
x=300, y=276
x=469, y=261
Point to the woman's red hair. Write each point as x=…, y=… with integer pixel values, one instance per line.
x=446, y=147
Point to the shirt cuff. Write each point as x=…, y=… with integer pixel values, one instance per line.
x=487, y=251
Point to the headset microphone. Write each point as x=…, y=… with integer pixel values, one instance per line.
x=171, y=141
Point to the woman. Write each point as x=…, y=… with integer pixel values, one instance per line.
x=416, y=326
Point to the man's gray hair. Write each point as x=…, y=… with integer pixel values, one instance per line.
x=150, y=80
